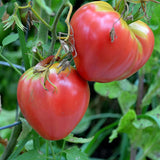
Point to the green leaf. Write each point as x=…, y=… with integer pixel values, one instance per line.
x=71, y=138
x=34, y=155
x=29, y=145
x=125, y=85
x=113, y=135
x=125, y=125
x=128, y=118
x=26, y=128
x=90, y=147
x=6, y=118
x=44, y=6
x=143, y=132
x=150, y=66
x=19, y=148
x=74, y=153
x=2, y=10
x=154, y=21
x=155, y=114
x=10, y=39
x=114, y=89
x=10, y=22
x=126, y=101
x=153, y=90
x=154, y=27
x=125, y=91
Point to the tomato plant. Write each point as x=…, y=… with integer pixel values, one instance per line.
x=55, y=109
x=107, y=48
x=122, y=120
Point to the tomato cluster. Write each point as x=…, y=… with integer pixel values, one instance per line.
x=54, y=100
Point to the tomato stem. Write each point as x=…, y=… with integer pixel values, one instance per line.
x=42, y=20
x=68, y=20
x=58, y=52
x=23, y=46
x=138, y=106
x=140, y=91
x=62, y=149
x=47, y=149
x=65, y=4
x=43, y=28
x=12, y=141
x=35, y=13
x=122, y=6
x=51, y=147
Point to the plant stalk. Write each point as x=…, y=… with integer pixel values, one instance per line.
x=140, y=91
x=138, y=106
x=23, y=47
x=54, y=25
x=12, y=142
x=43, y=29
x=133, y=153
x=52, y=151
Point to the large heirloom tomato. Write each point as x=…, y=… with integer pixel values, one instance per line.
x=55, y=109
x=107, y=47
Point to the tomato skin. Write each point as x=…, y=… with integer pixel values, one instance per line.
x=53, y=113
x=102, y=58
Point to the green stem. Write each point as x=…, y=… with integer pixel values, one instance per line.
x=23, y=47
x=54, y=25
x=47, y=149
x=5, y=59
x=146, y=151
x=12, y=142
x=133, y=152
x=43, y=28
x=62, y=149
x=51, y=147
x=90, y=147
x=41, y=19
x=140, y=91
x=35, y=13
x=138, y=107
x=20, y=147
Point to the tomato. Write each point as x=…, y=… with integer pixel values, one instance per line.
x=107, y=48
x=55, y=109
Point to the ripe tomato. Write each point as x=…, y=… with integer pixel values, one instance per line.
x=53, y=112
x=107, y=47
